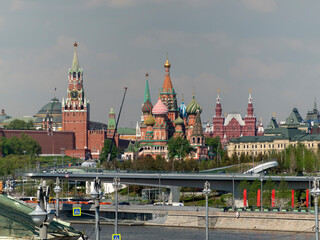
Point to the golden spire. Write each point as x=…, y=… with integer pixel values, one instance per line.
x=249, y=90
x=193, y=92
x=167, y=64
x=274, y=114
x=218, y=90
x=182, y=97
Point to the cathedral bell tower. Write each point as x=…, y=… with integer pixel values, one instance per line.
x=75, y=109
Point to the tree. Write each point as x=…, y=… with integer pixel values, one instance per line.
x=252, y=196
x=20, y=146
x=106, y=149
x=267, y=191
x=178, y=147
x=20, y=125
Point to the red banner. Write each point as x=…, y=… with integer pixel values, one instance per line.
x=307, y=198
x=245, y=197
x=292, y=198
x=273, y=197
x=258, y=198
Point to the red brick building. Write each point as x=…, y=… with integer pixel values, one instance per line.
x=232, y=125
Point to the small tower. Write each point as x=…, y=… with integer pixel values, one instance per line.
x=218, y=120
x=168, y=94
x=250, y=120
x=192, y=109
x=111, y=123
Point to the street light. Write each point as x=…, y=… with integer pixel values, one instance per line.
x=116, y=185
x=96, y=197
x=57, y=190
x=42, y=215
x=316, y=192
x=207, y=191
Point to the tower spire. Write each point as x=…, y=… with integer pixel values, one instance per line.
x=75, y=62
x=147, y=91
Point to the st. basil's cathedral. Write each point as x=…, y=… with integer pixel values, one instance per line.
x=164, y=120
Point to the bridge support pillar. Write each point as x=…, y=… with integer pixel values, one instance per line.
x=174, y=195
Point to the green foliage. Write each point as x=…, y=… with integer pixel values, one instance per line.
x=267, y=192
x=252, y=195
x=178, y=147
x=18, y=146
x=106, y=149
x=20, y=125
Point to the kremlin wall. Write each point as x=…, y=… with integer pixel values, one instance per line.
x=66, y=128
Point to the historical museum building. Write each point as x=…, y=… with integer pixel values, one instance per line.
x=165, y=120
x=233, y=125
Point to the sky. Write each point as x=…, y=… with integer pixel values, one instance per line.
x=272, y=47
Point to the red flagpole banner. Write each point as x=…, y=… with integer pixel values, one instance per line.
x=273, y=197
x=307, y=198
x=258, y=198
x=245, y=197
x=292, y=198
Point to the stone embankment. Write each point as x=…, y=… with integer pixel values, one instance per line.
x=296, y=222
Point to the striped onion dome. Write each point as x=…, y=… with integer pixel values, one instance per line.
x=147, y=106
x=159, y=108
x=150, y=120
x=193, y=107
x=179, y=121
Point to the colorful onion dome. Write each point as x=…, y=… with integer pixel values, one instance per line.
x=182, y=110
x=150, y=120
x=193, y=107
x=159, y=108
x=179, y=121
x=147, y=106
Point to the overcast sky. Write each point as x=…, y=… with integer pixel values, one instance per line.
x=270, y=46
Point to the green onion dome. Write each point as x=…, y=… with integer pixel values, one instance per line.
x=179, y=121
x=193, y=107
x=147, y=106
x=150, y=121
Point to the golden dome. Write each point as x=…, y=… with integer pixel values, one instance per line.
x=150, y=121
x=167, y=64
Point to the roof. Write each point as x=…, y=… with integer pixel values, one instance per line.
x=193, y=106
x=160, y=108
x=294, y=118
x=273, y=124
x=236, y=116
x=53, y=107
x=147, y=92
x=283, y=132
x=126, y=131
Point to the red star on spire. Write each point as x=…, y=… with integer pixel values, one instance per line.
x=147, y=74
x=75, y=44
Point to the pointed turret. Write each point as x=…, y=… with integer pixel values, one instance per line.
x=147, y=91
x=250, y=105
x=218, y=106
x=112, y=120
x=75, y=62
x=167, y=84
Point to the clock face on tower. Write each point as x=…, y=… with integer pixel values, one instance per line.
x=74, y=94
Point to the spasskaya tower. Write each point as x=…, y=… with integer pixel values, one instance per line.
x=75, y=108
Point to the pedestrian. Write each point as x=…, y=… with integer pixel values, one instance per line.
x=237, y=214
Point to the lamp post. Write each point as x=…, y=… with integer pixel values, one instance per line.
x=42, y=215
x=57, y=190
x=116, y=185
x=207, y=191
x=315, y=193
x=95, y=195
